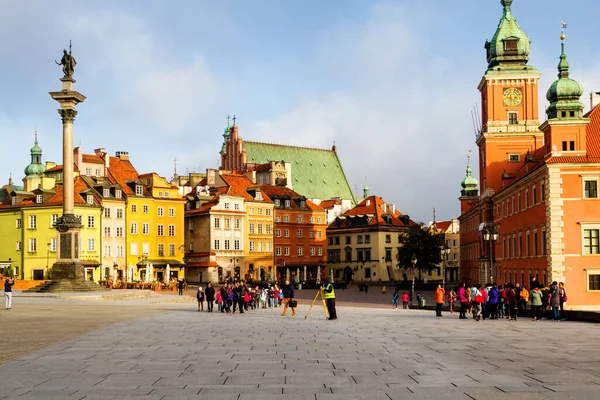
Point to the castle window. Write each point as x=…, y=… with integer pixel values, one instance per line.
x=510, y=45
x=513, y=118
x=563, y=114
x=514, y=157
x=590, y=241
x=564, y=145
x=572, y=145
x=590, y=189
x=571, y=113
x=593, y=280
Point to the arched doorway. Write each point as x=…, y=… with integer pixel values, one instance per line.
x=220, y=273
x=347, y=274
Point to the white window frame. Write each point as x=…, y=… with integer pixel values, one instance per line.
x=160, y=230
x=514, y=157
x=217, y=244
x=32, y=245
x=139, y=190
x=118, y=194
x=90, y=199
x=217, y=222
x=277, y=251
x=588, y=272
x=39, y=199
x=171, y=212
x=19, y=223
x=286, y=251
x=160, y=211
x=171, y=230
x=145, y=228
x=508, y=114
x=32, y=222
x=145, y=208
x=133, y=228
x=236, y=244
x=105, y=192
x=91, y=221
x=171, y=247
x=589, y=179
x=584, y=227
x=119, y=213
x=91, y=244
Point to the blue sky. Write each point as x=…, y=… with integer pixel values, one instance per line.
x=392, y=83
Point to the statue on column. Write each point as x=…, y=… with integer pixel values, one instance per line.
x=68, y=62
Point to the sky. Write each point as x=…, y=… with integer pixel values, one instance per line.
x=391, y=83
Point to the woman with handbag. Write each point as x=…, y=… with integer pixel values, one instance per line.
x=288, y=298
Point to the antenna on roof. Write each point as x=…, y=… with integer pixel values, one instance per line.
x=433, y=215
x=175, y=166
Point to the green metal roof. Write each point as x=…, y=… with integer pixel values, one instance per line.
x=564, y=93
x=501, y=54
x=316, y=173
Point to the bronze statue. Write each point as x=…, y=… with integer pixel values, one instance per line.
x=68, y=62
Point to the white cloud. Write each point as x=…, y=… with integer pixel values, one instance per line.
x=389, y=126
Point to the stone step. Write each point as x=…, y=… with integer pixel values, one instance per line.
x=63, y=286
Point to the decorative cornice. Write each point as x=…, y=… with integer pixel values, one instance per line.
x=67, y=115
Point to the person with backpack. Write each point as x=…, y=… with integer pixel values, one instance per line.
x=478, y=301
x=555, y=300
x=200, y=298
x=451, y=300
x=536, y=303
x=210, y=297
x=524, y=297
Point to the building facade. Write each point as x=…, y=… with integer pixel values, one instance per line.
x=536, y=215
x=363, y=243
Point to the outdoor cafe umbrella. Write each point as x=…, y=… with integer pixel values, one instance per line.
x=151, y=274
x=168, y=274
x=130, y=272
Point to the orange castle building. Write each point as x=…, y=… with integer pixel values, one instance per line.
x=538, y=212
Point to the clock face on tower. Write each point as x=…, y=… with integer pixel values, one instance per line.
x=512, y=97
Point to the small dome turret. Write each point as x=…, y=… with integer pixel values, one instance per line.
x=35, y=168
x=509, y=46
x=469, y=184
x=565, y=92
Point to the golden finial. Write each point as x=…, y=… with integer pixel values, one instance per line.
x=562, y=33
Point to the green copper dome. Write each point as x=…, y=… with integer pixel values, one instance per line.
x=469, y=184
x=225, y=137
x=35, y=168
x=510, y=46
x=564, y=93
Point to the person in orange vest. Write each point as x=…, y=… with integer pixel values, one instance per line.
x=439, y=300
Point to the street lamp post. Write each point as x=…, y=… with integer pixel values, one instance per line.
x=413, y=261
x=490, y=235
x=445, y=252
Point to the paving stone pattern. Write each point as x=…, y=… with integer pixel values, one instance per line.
x=366, y=354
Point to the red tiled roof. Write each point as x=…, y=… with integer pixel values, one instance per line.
x=287, y=192
x=326, y=204
x=121, y=171
x=203, y=264
x=592, y=135
x=573, y=160
x=238, y=185
x=373, y=206
x=91, y=158
x=57, y=198
x=443, y=225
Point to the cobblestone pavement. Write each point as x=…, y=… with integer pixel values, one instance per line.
x=171, y=351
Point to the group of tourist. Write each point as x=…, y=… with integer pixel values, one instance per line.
x=504, y=301
x=238, y=296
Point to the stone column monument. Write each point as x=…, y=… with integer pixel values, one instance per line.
x=68, y=265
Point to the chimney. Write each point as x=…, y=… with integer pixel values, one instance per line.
x=594, y=99
x=384, y=206
x=99, y=152
x=122, y=155
x=393, y=207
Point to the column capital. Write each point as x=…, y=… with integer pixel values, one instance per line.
x=67, y=115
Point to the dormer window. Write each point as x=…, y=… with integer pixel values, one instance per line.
x=90, y=199
x=14, y=201
x=277, y=202
x=511, y=44
x=259, y=196
x=287, y=204
x=118, y=194
x=106, y=192
x=38, y=199
x=139, y=190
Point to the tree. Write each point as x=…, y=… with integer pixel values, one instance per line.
x=424, y=244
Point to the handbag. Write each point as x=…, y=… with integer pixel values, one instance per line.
x=293, y=303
